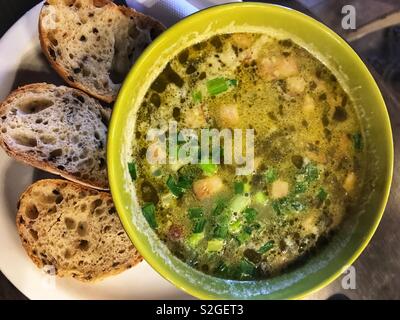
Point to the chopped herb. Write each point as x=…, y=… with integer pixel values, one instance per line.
x=178, y=188
x=190, y=172
x=266, y=247
x=232, y=82
x=297, y=205
x=221, y=231
x=239, y=203
x=199, y=225
x=195, y=238
x=357, y=141
x=219, y=208
x=235, y=226
x=243, y=237
x=219, y=85
x=300, y=187
x=239, y=187
x=280, y=205
x=215, y=245
x=246, y=268
x=250, y=214
x=260, y=198
x=157, y=173
x=197, y=96
x=132, y=170
x=271, y=175
x=216, y=86
x=311, y=172
x=209, y=168
x=149, y=212
x=322, y=195
x=195, y=213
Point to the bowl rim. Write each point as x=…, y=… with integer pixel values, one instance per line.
x=113, y=159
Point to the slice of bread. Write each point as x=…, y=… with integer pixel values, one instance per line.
x=57, y=129
x=93, y=44
x=74, y=230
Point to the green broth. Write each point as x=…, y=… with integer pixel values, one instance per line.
x=309, y=156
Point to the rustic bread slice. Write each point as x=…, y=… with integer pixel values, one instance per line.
x=57, y=129
x=73, y=229
x=92, y=44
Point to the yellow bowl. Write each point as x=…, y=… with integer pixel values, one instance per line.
x=332, y=259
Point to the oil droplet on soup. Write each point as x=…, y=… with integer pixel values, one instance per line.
x=309, y=156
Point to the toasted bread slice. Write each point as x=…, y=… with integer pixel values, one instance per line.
x=73, y=229
x=57, y=129
x=92, y=44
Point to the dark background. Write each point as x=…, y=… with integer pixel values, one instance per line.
x=378, y=268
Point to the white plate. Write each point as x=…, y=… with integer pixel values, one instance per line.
x=21, y=62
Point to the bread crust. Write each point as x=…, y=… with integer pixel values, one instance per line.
x=23, y=223
x=45, y=43
x=32, y=161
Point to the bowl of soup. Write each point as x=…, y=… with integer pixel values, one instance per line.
x=250, y=154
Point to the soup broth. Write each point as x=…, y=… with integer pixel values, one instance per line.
x=308, y=155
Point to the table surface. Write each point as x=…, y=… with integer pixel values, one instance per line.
x=378, y=267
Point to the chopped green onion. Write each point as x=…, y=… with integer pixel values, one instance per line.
x=190, y=172
x=235, y=226
x=244, y=235
x=195, y=238
x=239, y=187
x=132, y=170
x=232, y=82
x=217, y=86
x=357, y=141
x=250, y=214
x=247, y=269
x=178, y=188
x=222, y=269
x=266, y=247
x=260, y=198
x=215, y=245
x=297, y=205
x=221, y=231
x=300, y=187
x=197, y=96
x=271, y=175
x=280, y=205
x=195, y=213
x=255, y=226
x=149, y=212
x=311, y=172
x=209, y=168
x=199, y=225
x=322, y=194
x=239, y=203
x=157, y=173
x=219, y=208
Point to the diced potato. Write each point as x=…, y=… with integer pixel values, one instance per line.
x=277, y=67
x=316, y=156
x=207, y=187
x=309, y=223
x=156, y=154
x=308, y=104
x=279, y=189
x=350, y=182
x=228, y=116
x=286, y=68
x=194, y=118
x=296, y=85
x=344, y=147
x=242, y=40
